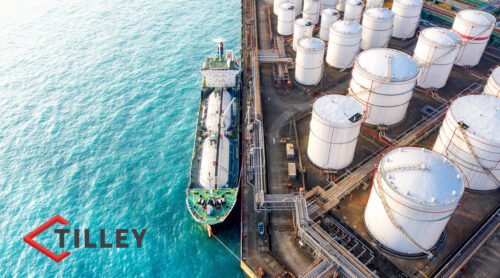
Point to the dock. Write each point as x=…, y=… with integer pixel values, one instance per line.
x=313, y=224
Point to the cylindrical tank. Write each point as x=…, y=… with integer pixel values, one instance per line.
x=334, y=131
x=327, y=4
x=493, y=84
x=475, y=28
x=343, y=44
x=383, y=80
x=374, y=3
x=377, y=28
x=353, y=10
x=309, y=61
x=341, y=5
x=302, y=28
x=276, y=6
x=406, y=17
x=298, y=6
x=415, y=191
x=286, y=17
x=435, y=53
x=328, y=16
x=311, y=10
x=472, y=122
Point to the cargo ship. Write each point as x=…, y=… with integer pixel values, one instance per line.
x=214, y=181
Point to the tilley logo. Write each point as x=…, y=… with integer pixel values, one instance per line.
x=120, y=236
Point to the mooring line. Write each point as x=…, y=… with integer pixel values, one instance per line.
x=227, y=248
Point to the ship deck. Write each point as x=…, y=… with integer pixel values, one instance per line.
x=220, y=211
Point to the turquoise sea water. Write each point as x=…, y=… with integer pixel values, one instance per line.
x=98, y=103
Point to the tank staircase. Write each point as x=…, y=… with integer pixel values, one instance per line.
x=459, y=258
x=331, y=195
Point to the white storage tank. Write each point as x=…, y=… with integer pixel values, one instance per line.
x=415, y=191
x=353, y=10
x=328, y=16
x=470, y=136
x=327, y=4
x=374, y=3
x=309, y=61
x=311, y=10
x=286, y=17
x=343, y=44
x=475, y=28
x=298, y=6
x=276, y=6
x=436, y=50
x=406, y=17
x=341, y=5
x=334, y=131
x=383, y=80
x=493, y=85
x=302, y=28
x=377, y=28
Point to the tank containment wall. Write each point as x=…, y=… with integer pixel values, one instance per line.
x=286, y=18
x=328, y=16
x=474, y=27
x=377, y=28
x=383, y=80
x=343, y=44
x=415, y=191
x=334, y=130
x=302, y=28
x=436, y=51
x=470, y=136
x=493, y=85
x=406, y=17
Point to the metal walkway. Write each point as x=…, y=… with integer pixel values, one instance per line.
x=460, y=257
x=326, y=247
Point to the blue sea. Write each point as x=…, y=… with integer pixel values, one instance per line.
x=98, y=104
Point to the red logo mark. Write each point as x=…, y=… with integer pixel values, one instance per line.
x=29, y=238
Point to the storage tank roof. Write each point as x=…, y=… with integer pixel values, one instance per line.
x=476, y=17
x=337, y=109
x=379, y=13
x=422, y=176
x=287, y=6
x=347, y=27
x=379, y=62
x=440, y=36
x=481, y=113
x=311, y=44
x=330, y=12
x=410, y=3
x=303, y=22
x=355, y=2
